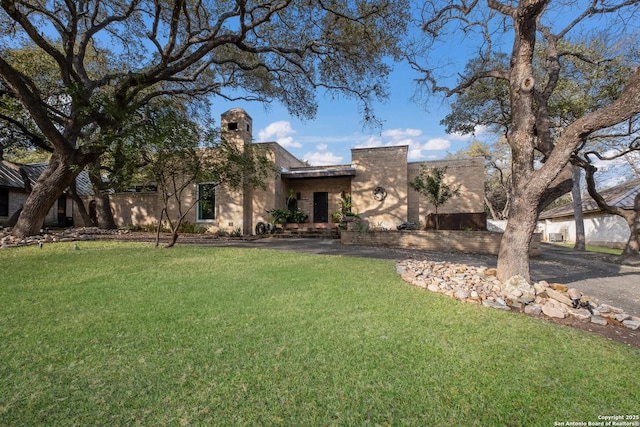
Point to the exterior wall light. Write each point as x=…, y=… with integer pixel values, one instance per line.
x=379, y=194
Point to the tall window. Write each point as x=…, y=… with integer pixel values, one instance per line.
x=206, y=202
x=4, y=202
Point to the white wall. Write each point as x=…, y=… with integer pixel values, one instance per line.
x=600, y=230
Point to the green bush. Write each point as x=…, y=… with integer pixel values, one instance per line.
x=285, y=216
x=189, y=228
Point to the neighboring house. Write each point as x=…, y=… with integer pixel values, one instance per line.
x=601, y=229
x=16, y=181
x=377, y=179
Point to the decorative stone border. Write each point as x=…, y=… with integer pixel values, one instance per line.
x=479, y=285
x=67, y=235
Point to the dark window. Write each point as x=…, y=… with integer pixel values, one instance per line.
x=206, y=202
x=4, y=202
x=232, y=126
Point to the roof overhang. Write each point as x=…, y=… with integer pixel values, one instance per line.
x=319, y=172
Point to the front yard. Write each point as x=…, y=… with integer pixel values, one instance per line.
x=124, y=334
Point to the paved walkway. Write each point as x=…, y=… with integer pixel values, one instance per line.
x=592, y=273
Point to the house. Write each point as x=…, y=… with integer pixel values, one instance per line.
x=601, y=229
x=16, y=181
x=377, y=179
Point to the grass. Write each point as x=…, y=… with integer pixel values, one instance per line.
x=124, y=334
x=599, y=249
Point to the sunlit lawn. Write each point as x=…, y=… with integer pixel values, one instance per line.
x=124, y=334
x=599, y=249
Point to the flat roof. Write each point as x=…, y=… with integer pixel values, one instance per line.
x=319, y=172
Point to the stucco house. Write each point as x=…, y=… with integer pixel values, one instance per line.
x=377, y=179
x=15, y=183
x=601, y=229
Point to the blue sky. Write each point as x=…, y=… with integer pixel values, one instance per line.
x=338, y=126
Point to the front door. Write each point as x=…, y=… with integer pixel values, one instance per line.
x=321, y=207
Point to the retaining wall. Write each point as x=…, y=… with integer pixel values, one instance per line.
x=478, y=242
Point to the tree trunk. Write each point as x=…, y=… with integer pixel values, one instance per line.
x=103, y=204
x=492, y=211
x=104, y=212
x=159, y=227
x=46, y=191
x=576, y=195
x=174, y=227
x=513, y=258
x=86, y=218
x=174, y=239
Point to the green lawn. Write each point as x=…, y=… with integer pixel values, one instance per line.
x=124, y=334
x=589, y=248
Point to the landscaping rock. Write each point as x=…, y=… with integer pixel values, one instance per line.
x=495, y=304
x=607, y=308
x=558, y=287
x=622, y=317
x=631, y=324
x=574, y=294
x=461, y=294
x=582, y=315
x=478, y=285
x=433, y=288
x=533, y=309
x=552, y=311
x=558, y=296
x=599, y=320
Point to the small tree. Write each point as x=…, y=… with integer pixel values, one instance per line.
x=183, y=155
x=433, y=187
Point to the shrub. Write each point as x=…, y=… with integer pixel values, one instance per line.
x=189, y=228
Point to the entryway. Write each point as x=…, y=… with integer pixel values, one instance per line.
x=321, y=207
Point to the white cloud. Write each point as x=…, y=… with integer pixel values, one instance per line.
x=281, y=131
x=437, y=144
x=371, y=142
x=322, y=147
x=408, y=142
x=416, y=151
x=479, y=133
x=412, y=138
x=401, y=133
x=322, y=159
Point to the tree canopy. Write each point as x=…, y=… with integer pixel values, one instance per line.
x=511, y=37
x=111, y=58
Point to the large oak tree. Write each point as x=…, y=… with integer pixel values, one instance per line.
x=536, y=28
x=114, y=57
